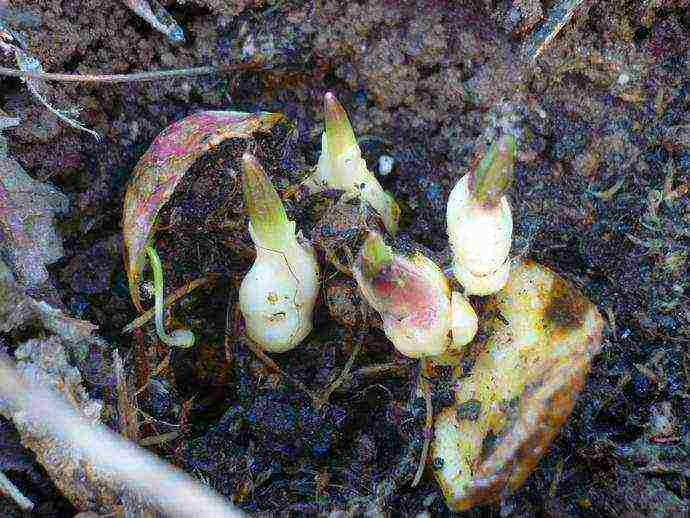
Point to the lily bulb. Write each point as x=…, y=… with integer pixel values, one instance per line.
x=414, y=300
x=342, y=167
x=480, y=222
x=278, y=294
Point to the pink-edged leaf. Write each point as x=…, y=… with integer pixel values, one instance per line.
x=162, y=167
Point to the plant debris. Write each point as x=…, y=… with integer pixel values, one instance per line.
x=27, y=211
x=154, y=13
x=11, y=43
x=45, y=362
x=541, y=337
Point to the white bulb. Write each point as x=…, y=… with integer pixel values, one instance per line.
x=413, y=298
x=278, y=294
x=480, y=222
x=342, y=167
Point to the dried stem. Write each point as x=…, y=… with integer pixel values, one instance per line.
x=273, y=365
x=425, y=389
x=345, y=374
x=169, y=301
x=155, y=75
x=128, y=420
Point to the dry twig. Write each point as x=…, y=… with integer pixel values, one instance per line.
x=558, y=17
x=424, y=388
x=273, y=365
x=154, y=75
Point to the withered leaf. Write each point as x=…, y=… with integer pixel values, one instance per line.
x=162, y=167
x=539, y=337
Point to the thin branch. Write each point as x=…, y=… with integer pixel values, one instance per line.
x=155, y=75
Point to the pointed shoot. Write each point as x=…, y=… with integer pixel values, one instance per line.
x=494, y=174
x=339, y=133
x=270, y=225
x=376, y=255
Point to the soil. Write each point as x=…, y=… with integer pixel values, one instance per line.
x=604, y=122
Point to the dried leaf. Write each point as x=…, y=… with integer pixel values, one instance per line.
x=540, y=335
x=162, y=167
x=27, y=208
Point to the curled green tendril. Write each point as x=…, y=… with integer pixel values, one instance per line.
x=179, y=337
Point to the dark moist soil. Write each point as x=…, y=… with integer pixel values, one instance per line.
x=603, y=117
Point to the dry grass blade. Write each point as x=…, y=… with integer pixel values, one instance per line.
x=169, y=301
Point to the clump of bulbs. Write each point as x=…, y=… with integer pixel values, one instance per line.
x=538, y=333
x=421, y=316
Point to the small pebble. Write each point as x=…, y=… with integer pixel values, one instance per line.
x=385, y=164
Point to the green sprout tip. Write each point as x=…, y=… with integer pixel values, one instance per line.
x=376, y=255
x=339, y=133
x=494, y=174
x=270, y=224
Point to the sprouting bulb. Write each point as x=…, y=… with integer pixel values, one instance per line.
x=480, y=222
x=342, y=167
x=414, y=300
x=278, y=294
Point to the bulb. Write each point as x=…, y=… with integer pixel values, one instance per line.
x=278, y=294
x=413, y=298
x=480, y=222
x=342, y=167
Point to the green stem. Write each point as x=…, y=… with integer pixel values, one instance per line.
x=179, y=337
